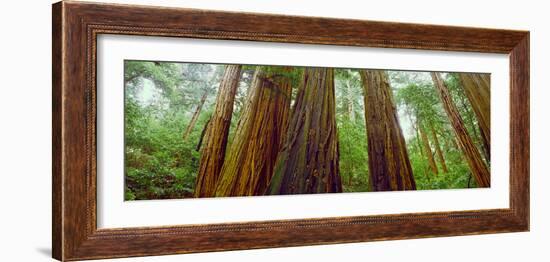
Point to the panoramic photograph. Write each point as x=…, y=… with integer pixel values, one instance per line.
x=201, y=130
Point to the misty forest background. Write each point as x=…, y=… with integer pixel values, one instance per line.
x=208, y=130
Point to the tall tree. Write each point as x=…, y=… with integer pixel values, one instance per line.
x=477, y=90
x=348, y=97
x=351, y=135
x=471, y=153
x=422, y=99
x=469, y=118
x=428, y=149
x=308, y=162
x=259, y=136
x=414, y=126
x=389, y=165
x=213, y=150
x=418, y=139
x=196, y=114
x=438, y=150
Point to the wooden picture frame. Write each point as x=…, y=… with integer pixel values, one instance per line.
x=76, y=26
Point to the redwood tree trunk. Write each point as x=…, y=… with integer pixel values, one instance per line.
x=215, y=138
x=308, y=162
x=259, y=137
x=439, y=151
x=195, y=116
x=471, y=153
x=477, y=90
x=476, y=134
x=349, y=102
x=428, y=150
x=389, y=165
x=418, y=139
x=414, y=125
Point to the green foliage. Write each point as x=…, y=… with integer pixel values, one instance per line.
x=166, y=76
x=354, y=168
x=422, y=99
x=160, y=99
x=457, y=176
x=418, y=97
x=287, y=72
x=352, y=134
x=159, y=164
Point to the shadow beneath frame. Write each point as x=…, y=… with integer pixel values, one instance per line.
x=46, y=251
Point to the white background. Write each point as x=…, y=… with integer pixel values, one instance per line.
x=25, y=136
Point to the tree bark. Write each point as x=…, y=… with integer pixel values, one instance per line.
x=349, y=105
x=389, y=165
x=438, y=150
x=419, y=140
x=308, y=162
x=428, y=149
x=195, y=116
x=203, y=132
x=415, y=127
x=486, y=146
x=477, y=90
x=259, y=137
x=471, y=153
x=215, y=140
x=476, y=133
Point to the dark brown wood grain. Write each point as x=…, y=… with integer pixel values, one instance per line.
x=57, y=195
x=76, y=26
